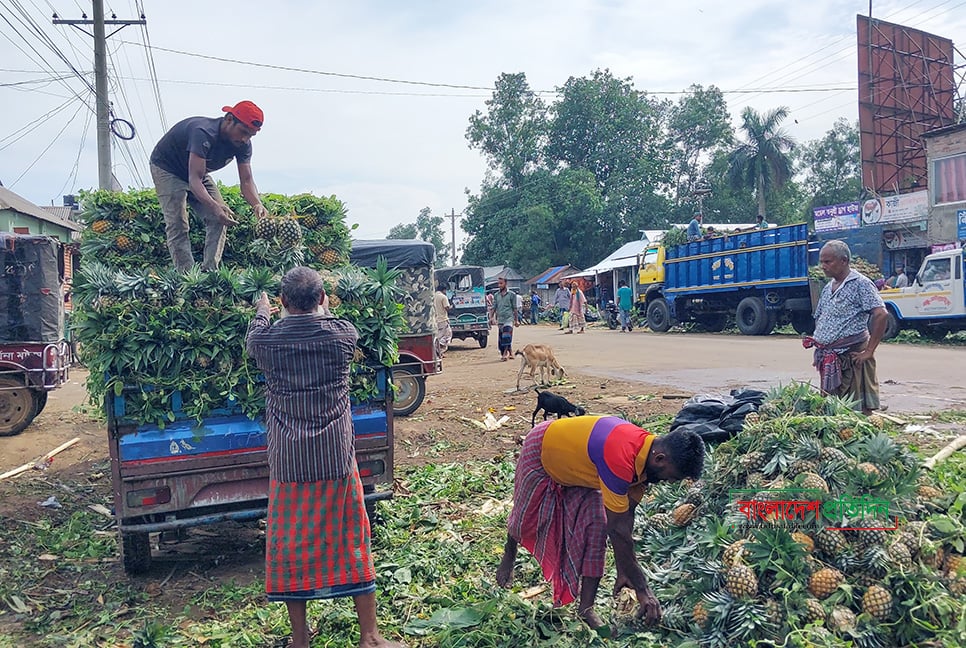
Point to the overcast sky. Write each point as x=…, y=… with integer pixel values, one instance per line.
x=388, y=149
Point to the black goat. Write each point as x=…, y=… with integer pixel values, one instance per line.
x=550, y=403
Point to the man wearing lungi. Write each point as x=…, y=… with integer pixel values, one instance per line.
x=507, y=316
x=317, y=540
x=850, y=320
x=578, y=481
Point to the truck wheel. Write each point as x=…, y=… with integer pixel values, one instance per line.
x=934, y=333
x=40, y=402
x=135, y=552
x=482, y=341
x=17, y=406
x=892, y=326
x=752, y=317
x=802, y=322
x=410, y=391
x=658, y=316
x=715, y=322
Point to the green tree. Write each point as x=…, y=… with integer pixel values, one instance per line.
x=762, y=161
x=427, y=228
x=831, y=167
x=512, y=133
x=698, y=125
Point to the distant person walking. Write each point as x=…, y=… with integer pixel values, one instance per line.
x=534, y=306
x=578, y=303
x=506, y=316
x=625, y=302
x=317, y=542
x=441, y=308
x=561, y=301
x=850, y=320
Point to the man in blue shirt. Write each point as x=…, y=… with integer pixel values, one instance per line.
x=625, y=302
x=694, y=227
x=534, y=306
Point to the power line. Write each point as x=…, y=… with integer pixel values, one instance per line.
x=72, y=176
x=149, y=56
x=26, y=130
x=47, y=148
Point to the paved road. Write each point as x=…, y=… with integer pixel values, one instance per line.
x=912, y=378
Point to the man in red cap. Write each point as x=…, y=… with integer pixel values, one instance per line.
x=180, y=166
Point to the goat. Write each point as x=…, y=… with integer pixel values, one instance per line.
x=539, y=356
x=550, y=403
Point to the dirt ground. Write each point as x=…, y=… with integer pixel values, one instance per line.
x=607, y=372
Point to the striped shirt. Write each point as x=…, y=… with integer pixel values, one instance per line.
x=605, y=453
x=305, y=360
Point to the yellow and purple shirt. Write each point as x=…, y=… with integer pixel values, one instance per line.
x=599, y=452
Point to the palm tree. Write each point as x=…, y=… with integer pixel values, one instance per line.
x=761, y=163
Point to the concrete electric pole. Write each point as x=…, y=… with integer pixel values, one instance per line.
x=452, y=222
x=102, y=99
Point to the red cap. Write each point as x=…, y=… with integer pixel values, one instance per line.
x=247, y=113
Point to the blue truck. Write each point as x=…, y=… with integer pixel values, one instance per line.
x=189, y=473
x=757, y=278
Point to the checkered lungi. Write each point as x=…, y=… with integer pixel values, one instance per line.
x=317, y=541
x=564, y=527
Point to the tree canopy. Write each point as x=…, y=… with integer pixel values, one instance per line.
x=427, y=228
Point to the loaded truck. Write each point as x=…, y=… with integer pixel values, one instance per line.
x=935, y=303
x=418, y=358
x=757, y=278
x=34, y=355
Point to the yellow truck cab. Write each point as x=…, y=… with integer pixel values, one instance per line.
x=651, y=268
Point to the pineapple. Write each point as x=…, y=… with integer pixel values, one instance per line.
x=877, y=421
x=128, y=215
x=802, y=466
x=954, y=565
x=805, y=540
x=741, y=582
x=871, y=469
x=929, y=492
x=752, y=418
x=831, y=542
x=824, y=582
x=289, y=232
x=813, y=481
x=101, y=226
x=846, y=433
x=841, y=620
x=877, y=601
x=813, y=564
x=899, y=553
x=773, y=611
x=125, y=243
x=694, y=496
x=310, y=221
x=957, y=586
x=682, y=515
x=833, y=455
x=733, y=553
x=329, y=257
x=870, y=537
x=931, y=555
x=700, y=615
x=755, y=480
x=814, y=611
x=265, y=228
x=334, y=301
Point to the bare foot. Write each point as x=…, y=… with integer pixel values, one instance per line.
x=504, y=573
x=379, y=641
x=592, y=619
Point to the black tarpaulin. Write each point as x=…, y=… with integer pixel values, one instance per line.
x=31, y=298
x=399, y=253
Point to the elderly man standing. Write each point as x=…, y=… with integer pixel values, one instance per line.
x=561, y=300
x=850, y=320
x=181, y=164
x=318, y=537
x=506, y=316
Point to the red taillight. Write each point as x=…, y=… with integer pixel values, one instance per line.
x=51, y=356
x=372, y=468
x=149, y=496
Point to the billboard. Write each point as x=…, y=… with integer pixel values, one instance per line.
x=903, y=208
x=906, y=88
x=837, y=217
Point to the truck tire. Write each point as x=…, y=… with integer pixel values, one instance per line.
x=410, y=390
x=933, y=333
x=17, y=406
x=802, y=322
x=135, y=552
x=713, y=322
x=892, y=325
x=482, y=341
x=658, y=316
x=752, y=317
x=40, y=402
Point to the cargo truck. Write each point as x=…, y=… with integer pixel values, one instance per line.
x=757, y=278
x=935, y=303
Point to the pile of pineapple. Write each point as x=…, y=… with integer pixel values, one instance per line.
x=179, y=337
x=725, y=583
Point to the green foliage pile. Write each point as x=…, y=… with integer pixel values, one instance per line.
x=699, y=542
x=167, y=335
x=859, y=264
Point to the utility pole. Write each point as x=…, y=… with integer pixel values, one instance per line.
x=102, y=100
x=452, y=221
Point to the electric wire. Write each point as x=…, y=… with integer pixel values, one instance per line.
x=48, y=147
x=149, y=55
x=72, y=176
x=23, y=131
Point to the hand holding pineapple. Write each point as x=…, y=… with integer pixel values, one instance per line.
x=260, y=211
x=224, y=215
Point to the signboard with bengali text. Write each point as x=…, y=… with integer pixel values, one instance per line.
x=837, y=217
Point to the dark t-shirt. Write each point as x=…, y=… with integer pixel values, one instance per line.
x=198, y=135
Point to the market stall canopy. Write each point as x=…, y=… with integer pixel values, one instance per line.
x=624, y=257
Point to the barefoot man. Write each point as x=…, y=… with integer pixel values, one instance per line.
x=317, y=538
x=578, y=482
